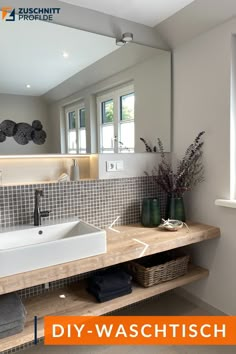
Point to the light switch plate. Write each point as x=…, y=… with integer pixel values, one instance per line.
x=111, y=166
x=114, y=166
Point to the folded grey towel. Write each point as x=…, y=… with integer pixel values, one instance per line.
x=11, y=325
x=12, y=331
x=11, y=309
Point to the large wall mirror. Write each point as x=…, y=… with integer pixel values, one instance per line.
x=89, y=95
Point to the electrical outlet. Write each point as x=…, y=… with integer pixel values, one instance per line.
x=120, y=165
x=111, y=166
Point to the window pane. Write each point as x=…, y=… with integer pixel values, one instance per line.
x=107, y=112
x=71, y=120
x=127, y=107
x=82, y=118
x=126, y=142
x=82, y=140
x=72, y=145
x=107, y=141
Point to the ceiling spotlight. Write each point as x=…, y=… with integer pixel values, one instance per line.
x=119, y=42
x=28, y=86
x=127, y=37
x=65, y=55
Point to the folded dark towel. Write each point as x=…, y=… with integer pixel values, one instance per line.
x=107, y=281
x=12, y=331
x=11, y=309
x=111, y=296
x=110, y=292
x=11, y=325
x=108, y=298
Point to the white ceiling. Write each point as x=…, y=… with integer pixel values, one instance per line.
x=32, y=53
x=200, y=17
x=147, y=12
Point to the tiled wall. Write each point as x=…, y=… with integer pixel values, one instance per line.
x=96, y=201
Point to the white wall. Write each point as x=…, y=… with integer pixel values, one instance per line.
x=135, y=165
x=24, y=109
x=202, y=69
x=152, y=85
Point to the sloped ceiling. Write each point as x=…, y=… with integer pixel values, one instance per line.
x=148, y=12
x=38, y=59
x=196, y=18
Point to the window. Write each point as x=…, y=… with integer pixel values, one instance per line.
x=116, y=120
x=75, y=129
x=126, y=126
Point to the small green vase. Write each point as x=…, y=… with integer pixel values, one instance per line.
x=175, y=208
x=150, y=214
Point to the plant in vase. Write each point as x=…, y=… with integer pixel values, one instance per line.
x=188, y=173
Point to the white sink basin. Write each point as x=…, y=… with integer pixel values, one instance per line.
x=23, y=250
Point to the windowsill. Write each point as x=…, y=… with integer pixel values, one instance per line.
x=226, y=203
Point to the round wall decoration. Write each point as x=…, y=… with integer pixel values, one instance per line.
x=23, y=133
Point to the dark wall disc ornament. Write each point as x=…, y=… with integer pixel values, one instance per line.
x=37, y=125
x=7, y=127
x=23, y=133
x=39, y=137
x=2, y=137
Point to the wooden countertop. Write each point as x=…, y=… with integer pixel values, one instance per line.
x=125, y=243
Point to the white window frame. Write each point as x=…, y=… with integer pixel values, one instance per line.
x=76, y=107
x=114, y=95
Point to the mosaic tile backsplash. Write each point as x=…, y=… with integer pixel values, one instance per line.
x=98, y=202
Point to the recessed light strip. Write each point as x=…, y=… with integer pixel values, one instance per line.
x=45, y=156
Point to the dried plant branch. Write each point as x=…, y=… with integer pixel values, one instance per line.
x=189, y=170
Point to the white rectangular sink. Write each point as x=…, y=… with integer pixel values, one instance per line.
x=27, y=249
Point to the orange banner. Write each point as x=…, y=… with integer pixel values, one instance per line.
x=140, y=330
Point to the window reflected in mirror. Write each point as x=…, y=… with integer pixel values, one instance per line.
x=75, y=129
x=116, y=120
x=126, y=124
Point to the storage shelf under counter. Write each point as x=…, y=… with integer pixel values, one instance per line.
x=126, y=243
x=76, y=301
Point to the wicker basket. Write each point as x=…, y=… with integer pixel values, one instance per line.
x=152, y=275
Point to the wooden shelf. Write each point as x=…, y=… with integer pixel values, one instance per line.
x=76, y=301
x=126, y=243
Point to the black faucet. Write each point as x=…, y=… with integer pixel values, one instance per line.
x=37, y=213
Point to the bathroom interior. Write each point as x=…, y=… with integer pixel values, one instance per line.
x=88, y=85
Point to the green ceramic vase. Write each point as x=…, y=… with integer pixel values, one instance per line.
x=175, y=208
x=150, y=214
